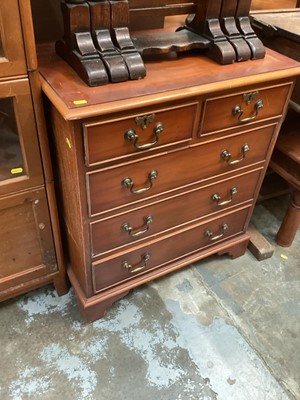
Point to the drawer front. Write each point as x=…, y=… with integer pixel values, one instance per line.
x=125, y=229
x=132, y=183
x=169, y=249
x=244, y=108
x=139, y=134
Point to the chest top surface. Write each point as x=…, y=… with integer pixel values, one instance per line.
x=172, y=78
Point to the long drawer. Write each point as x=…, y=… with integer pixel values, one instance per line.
x=155, y=254
x=132, y=183
x=125, y=229
x=139, y=133
x=232, y=111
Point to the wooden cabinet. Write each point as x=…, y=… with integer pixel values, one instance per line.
x=12, y=52
x=27, y=250
x=30, y=249
x=158, y=173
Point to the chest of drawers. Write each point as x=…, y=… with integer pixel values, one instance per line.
x=156, y=174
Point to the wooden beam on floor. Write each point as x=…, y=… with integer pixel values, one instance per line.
x=258, y=244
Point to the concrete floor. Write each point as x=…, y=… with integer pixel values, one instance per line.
x=221, y=329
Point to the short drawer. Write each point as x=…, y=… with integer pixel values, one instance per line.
x=236, y=110
x=131, y=227
x=129, y=184
x=155, y=254
x=130, y=135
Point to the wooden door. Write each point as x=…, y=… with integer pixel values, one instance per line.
x=26, y=242
x=12, y=54
x=20, y=163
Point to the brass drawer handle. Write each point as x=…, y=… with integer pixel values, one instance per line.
x=216, y=197
x=135, y=268
x=237, y=110
x=127, y=228
x=128, y=183
x=211, y=236
x=226, y=155
x=132, y=136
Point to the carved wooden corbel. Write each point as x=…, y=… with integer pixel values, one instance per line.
x=206, y=22
x=229, y=27
x=77, y=46
x=101, y=33
x=244, y=26
x=123, y=41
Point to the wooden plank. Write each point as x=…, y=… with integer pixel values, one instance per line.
x=181, y=9
x=156, y=3
x=258, y=244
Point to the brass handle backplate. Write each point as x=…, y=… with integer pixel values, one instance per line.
x=127, y=227
x=237, y=110
x=144, y=120
x=216, y=197
x=139, y=267
x=128, y=183
x=208, y=233
x=226, y=155
x=132, y=136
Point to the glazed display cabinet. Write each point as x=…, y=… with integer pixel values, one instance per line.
x=30, y=254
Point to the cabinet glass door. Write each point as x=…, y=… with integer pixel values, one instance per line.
x=11, y=157
x=20, y=163
x=12, y=55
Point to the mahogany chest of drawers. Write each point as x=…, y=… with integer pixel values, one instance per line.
x=158, y=173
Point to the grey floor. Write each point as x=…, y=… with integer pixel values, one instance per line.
x=220, y=329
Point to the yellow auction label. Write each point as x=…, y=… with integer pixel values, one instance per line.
x=16, y=171
x=79, y=102
x=68, y=141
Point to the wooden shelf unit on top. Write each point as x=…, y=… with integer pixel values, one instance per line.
x=30, y=245
x=99, y=45
x=155, y=174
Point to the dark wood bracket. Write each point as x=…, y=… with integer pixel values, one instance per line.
x=123, y=41
x=112, y=59
x=129, y=53
x=206, y=22
x=97, y=42
x=244, y=26
x=229, y=27
x=101, y=33
x=77, y=46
